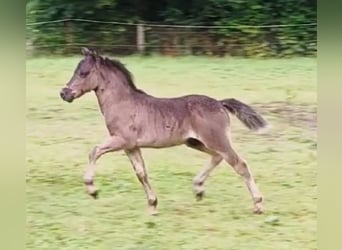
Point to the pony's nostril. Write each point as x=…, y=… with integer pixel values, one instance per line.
x=66, y=95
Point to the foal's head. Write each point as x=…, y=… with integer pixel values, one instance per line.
x=84, y=79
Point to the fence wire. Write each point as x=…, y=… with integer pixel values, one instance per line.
x=65, y=36
x=171, y=25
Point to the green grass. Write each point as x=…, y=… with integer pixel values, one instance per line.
x=59, y=136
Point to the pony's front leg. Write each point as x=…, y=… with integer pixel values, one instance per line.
x=137, y=161
x=113, y=143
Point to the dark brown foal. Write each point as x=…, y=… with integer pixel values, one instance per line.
x=137, y=120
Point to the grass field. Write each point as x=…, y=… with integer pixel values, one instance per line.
x=59, y=136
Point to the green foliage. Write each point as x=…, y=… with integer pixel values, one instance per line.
x=238, y=40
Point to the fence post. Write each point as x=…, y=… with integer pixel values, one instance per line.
x=140, y=38
x=69, y=36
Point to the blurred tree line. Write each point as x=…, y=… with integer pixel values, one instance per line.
x=234, y=39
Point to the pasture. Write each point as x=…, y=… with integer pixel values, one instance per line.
x=60, y=215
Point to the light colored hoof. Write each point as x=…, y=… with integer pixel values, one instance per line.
x=258, y=208
x=153, y=211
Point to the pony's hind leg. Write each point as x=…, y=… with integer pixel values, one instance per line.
x=241, y=168
x=204, y=174
x=216, y=138
x=201, y=177
x=219, y=144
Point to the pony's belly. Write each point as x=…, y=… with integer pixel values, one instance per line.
x=159, y=142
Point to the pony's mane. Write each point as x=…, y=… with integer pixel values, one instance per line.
x=116, y=64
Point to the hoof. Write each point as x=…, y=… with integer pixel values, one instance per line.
x=152, y=206
x=153, y=211
x=199, y=195
x=95, y=194
x=92, y=191
x=258, y=209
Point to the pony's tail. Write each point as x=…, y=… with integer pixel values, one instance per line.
x=246, y=114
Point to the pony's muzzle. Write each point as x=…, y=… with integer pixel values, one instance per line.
x=66, y=95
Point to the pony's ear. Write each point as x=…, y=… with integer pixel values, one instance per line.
x=93, y=52
x=85, y=51
x=89, y=52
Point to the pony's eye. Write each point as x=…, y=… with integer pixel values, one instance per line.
x=84, y=74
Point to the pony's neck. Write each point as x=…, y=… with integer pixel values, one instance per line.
x=112, y=92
